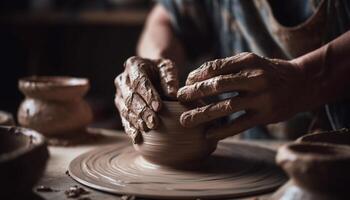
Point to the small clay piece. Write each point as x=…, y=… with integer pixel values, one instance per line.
x=128, y=197
x=54, y=105
x=317, y=171
x=234, y=170
x=173, y=145
x=75, y=192
x=23, y=156
x=6, y=119
x=43, y=188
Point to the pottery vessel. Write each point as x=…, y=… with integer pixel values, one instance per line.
x=173, y=145
x=6, y=119
x=339, y=137
x=317, y=171
x=23, y=156
x=54, y=105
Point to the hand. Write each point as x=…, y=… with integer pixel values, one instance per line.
x=137, y=94
x=269, y=90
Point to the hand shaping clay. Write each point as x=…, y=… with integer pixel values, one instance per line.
x=54, y=105
x=171, y=144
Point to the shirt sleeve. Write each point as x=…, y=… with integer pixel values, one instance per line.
x=191, y=23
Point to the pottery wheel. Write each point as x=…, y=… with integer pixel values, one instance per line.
x=233, y=170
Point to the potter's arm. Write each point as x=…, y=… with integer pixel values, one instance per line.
x=270, y=90
x=158, y=39
x=327, y=70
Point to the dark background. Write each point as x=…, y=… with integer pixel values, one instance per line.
x=83, y=38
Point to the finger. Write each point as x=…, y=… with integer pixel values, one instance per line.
x=213, y=111
x=168, y=77
x=239, y=125
x=131, y=117
x=135, y=103
x=248, y=80
x=131, y=131
x=222, y=66
x=140, y=71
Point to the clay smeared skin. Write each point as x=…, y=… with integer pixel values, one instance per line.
x=138, y=97
x=261, y=84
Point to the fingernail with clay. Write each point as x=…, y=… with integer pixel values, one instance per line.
x=155, y=106
x=151, y=122
x=185, y=119
x=181, y=94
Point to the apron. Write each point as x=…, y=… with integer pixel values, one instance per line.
x=300, y=39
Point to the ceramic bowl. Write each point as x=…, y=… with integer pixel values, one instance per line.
x=321, y=168
x=340, y=137
x=23, y=156
x=173, y=145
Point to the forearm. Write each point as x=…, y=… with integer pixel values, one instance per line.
x=327, y=71
x=158, y=39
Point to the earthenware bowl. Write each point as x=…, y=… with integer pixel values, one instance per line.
x=23, y=156
x=6, y=119
x=54, y=105
x=316, y=169
x=340, y=137
x=173, y=145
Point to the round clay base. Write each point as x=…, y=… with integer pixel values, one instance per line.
x=234, y=170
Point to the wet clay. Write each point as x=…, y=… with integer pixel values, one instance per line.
x=318, y=171
x=233, y=170
x=171, y=144
x=54, y=105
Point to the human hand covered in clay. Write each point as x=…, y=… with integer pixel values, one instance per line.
x=269, y=90
x=138, y=91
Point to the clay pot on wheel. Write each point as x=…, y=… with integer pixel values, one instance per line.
x=317, y=171
x=54, y=105
x=173, y=145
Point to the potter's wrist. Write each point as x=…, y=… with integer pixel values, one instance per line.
x=310, y=83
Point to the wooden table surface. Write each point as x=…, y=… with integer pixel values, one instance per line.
x=55, y=175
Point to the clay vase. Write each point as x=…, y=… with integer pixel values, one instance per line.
x=54, y=105
x=317, y=171
x=173, y=145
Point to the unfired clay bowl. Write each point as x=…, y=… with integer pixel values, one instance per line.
x=340, y=137
x=173, y=145
x=54, y=105
x=317, y=169
x=23, y=156
x=6, y=119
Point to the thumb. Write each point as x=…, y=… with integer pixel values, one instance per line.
x=168, y=77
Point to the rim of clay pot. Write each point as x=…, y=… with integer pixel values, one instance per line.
x=312, y=152
x=52, y=81
x=340, y=137
x=6, y=118
x=34, y=140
